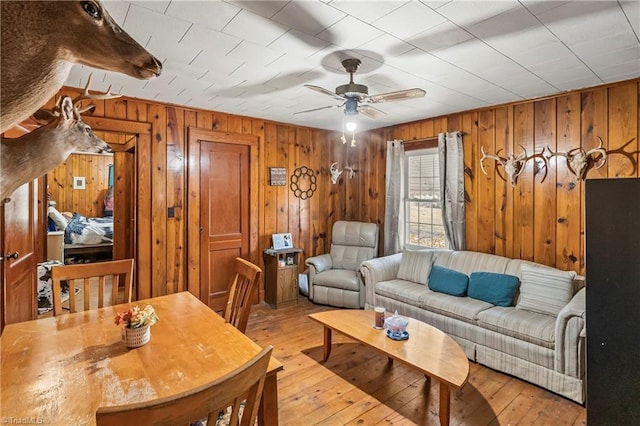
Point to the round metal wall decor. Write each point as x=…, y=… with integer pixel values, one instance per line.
x=298, y=180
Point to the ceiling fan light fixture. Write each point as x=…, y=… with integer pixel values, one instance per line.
x=351, y=126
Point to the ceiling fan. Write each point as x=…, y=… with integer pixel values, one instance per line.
x=355, y=97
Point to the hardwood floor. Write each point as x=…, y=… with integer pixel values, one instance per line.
x=358, y=387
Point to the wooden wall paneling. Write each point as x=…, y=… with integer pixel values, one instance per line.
x=315, y=239
x=136, y=111
x=116, y=108
x=158, y=118
x=594, y=111
x=568, y=187
x=282, y=192
x=234, y=124
x=193, y=212
x=205, y=121
x=220, y=121
x=176, y=153
x=143, y=217
x=472, y=176
x=254, y=199
x=454, y=123
x=303, y=144
x=426, y=127
x=485, y=194
x=544, y=200
x=293, y=202
x=623, y=129
x=503, y=189
x=523, y=244
x=270, y=154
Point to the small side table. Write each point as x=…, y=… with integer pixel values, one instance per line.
x=281, y=277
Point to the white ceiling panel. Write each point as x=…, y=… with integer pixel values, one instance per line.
x=208, y=14
x=254, y=57
x=309, y=17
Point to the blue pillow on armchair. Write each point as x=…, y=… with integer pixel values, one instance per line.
x=444, y=280
x=497, y=289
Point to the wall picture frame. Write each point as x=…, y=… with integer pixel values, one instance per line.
x=282, y=241
x=277, y=176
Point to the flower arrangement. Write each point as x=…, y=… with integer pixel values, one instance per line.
x=136, y=317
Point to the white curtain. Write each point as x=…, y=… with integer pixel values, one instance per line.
x=394, y=207
x=452, y=188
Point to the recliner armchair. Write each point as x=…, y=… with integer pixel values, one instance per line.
x=334, y=278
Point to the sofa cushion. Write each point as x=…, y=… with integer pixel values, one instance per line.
x=415, y=266
x=445, y=280
x=497, y=289
x=462, y=308
x=338, y=278
x=404, y=291
x=545, y=290
x=532, y=327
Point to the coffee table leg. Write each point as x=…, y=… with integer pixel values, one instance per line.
x=444, y=404
x=327, y=343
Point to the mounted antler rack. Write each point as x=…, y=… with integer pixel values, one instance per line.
x=335, y=172
x=513, y=165
x=580, y=161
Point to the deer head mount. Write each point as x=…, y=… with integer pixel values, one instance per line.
x=513, y=165
x=33, y=155
x=42, y=39
x=335, y=172
x=580, y=161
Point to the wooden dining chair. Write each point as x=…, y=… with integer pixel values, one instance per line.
x=241, y=293
x=91, y=273
x=243, y=384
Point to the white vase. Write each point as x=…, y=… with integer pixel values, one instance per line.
x=136, y=337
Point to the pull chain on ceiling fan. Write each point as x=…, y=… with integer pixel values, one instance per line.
x=355, y=97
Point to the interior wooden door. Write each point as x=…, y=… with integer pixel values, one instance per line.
x=224, y=217
x=19, y=257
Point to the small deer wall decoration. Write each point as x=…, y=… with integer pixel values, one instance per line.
x=580, y=161
x=35, y=154
x=335, y=172
x=513, y=165
x=42, y=39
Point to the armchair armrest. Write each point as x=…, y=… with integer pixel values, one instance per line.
x=376, y=270
x=316, y=265
x=570, y=340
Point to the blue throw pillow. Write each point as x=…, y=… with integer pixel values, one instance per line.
x=497, y=289
x=448, y=281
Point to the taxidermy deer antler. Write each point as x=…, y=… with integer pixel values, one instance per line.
x=42, y=39
x=335, y=173
x=580, y=161
x=513, y=165
x=31, y=156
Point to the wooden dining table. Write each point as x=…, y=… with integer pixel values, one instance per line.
x=59, y=370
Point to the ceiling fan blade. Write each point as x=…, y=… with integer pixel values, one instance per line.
x=324, y=91
x=317, y=109
x=397, y=96
x=371, y=112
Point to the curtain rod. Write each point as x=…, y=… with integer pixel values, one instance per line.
x=432, y=138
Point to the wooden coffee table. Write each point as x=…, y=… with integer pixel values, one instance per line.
x=428, y=349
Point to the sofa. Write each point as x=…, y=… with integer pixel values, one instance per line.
x=515, y=316
x=334, y=277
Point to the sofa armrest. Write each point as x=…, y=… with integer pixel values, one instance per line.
x=376, y=270
x=316, y=265
x=570, y=344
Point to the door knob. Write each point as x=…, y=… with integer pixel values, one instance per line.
x=13, y=255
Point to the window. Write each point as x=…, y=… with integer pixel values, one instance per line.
x=423, y=220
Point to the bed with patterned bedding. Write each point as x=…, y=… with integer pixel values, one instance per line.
x=85, y=236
